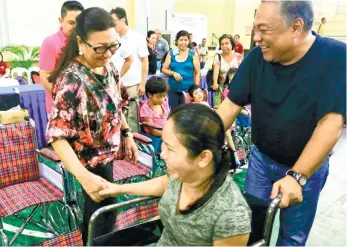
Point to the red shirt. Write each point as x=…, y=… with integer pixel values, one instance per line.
x=3, y=67
x=239, y=48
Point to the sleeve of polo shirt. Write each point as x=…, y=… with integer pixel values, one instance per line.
x=332, y=94
x=166, y=46
x=47, y=58
x=142, y=47
x=240, y=86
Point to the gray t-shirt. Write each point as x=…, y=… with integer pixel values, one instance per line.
x=226, y=214
x=161, y=47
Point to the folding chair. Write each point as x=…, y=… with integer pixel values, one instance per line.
x=70, y=239
x=21, y=183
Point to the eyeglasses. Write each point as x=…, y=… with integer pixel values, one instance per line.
x=102, y=49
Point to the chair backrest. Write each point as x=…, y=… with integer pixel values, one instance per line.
x=21, y=72
x=18, y=157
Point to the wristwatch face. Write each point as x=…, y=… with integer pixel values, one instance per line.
x=129, y=134
x=302, y=180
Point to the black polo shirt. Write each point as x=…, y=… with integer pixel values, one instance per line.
x=288, y=101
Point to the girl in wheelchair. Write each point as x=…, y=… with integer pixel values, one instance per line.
x=200, y=204
x=155, y=110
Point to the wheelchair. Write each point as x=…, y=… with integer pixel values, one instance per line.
x=26, y=183
x=150, y=236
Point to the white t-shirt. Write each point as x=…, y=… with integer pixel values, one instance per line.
x=135, y=44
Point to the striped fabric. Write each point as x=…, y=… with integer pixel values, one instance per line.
x=17, y=197
x=136, y=215
x=18, y=159
x=70, y=239
x=123, y=169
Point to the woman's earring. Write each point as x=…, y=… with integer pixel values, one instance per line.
x=80, y=53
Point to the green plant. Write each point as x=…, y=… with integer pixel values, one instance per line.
x=21, y=55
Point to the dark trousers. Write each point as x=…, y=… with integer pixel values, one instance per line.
x=105, y=222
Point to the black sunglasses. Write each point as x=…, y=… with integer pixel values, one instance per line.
x=102, y=49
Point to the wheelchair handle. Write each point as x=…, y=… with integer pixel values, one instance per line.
x=97, y=213
x=269, y=221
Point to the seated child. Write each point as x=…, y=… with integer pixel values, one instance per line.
x=156, y=109
x=197, y=95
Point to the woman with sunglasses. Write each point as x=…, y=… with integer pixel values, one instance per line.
x=87, y=120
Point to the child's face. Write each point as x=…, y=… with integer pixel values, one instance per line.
x=198, y=96
x=157, y=98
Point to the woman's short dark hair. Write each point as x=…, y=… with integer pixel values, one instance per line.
x=192, y=89
x=180, y=34
x=149, y=33
x=199, y=128
x=231, y=39
x=90, y=20
x=156, y=84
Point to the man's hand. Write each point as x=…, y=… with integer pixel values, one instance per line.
x=291, y=191
x=131, y=149
x=141, y=90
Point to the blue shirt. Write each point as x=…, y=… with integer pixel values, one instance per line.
x=161, y=48
x=288, y=101
x=185, y=69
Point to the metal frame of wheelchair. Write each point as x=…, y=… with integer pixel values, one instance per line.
x=269, y=220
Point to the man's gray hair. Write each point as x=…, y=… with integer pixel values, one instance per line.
x=292, y=10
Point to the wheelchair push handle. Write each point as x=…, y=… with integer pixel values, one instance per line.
x=113, y=207
x=269, y=221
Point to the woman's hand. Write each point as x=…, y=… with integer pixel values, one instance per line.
x=215, y=87
x=177, y=77
x=131, y=149
x=93, y=184
x=112, y=190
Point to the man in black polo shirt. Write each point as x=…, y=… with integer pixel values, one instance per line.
x=296, y=83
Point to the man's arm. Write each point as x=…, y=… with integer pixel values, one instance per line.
x=127, y=64
x=144, y=73
x=228, y=112
x=324, y=138
x=44, y=80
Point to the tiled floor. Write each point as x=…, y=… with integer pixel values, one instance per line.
x=330, y=226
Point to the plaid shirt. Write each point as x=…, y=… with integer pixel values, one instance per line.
x=87, y=113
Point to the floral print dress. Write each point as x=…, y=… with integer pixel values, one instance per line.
x=87, y=112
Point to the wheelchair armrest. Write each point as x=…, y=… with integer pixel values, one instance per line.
x=152, y=125
x=109, y=208
x=49, y=154
x=142, y=138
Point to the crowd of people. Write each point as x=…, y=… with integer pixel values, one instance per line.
x=95, y=61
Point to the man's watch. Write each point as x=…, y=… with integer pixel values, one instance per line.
x=301, y=179
x=127, y=132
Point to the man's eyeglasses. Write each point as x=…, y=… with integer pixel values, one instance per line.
x=102, y=49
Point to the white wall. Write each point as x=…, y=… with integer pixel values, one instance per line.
x=30, y=21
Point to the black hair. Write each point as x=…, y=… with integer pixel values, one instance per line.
x=180, y=34
x=149, y=33
x=194, y=44
x=120, y=13
x=156, y=84
x=2, y=57
x=231, y=39
x=192, y=89
x=292, y=10
x=70, y=5
x=199, y=128
x=90, y=20
x=323, y=19
x=237, y=35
